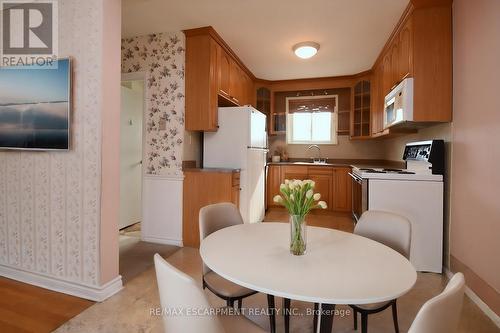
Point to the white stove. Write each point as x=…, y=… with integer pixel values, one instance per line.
x=415, y=192
x=395, y=174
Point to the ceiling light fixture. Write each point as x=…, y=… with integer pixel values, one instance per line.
x=305, y=50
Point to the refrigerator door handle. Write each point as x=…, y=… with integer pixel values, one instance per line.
x=258, y=148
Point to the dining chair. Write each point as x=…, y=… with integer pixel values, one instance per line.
x=441, y=313
x=189, y=306
x=212, y=218
x=394, y=231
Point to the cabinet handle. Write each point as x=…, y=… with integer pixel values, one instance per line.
x=235, y=99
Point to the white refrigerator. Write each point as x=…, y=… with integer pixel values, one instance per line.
x=241, y=143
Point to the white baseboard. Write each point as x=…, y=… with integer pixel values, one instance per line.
x=478, y=301
x=166, y=241
x=93, y=293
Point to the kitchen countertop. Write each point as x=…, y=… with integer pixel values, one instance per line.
x=360, y=163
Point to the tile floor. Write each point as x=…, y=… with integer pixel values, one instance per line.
x=129, y=310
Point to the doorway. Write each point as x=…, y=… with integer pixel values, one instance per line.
x=136, y=255
x=131, y=146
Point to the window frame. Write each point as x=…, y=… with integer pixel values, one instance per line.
x=333, y=125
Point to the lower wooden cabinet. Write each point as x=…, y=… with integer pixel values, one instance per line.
x=272, y=184
x=332, y=182
x=203, y=187
x=342, y=190
x=293, y=172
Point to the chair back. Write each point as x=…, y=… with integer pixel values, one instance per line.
x=215, y=217
x=441, y=314
x=179, y=292
x=390, y=229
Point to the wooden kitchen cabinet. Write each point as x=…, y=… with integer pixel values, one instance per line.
x=202, y=187
x=293, y=172
x=273, y=184
x=360, y=116
x=405, y=40
x=342, y=187
x=332, y=182
x=394, y=79
x=386, y=74
x=323, y=177
x=201, y=84
x=421, y=48
x=214, y=77
x=223, y=71
x=235, y=79
x=378, y=99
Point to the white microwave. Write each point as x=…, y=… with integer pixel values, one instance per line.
x=398, y=104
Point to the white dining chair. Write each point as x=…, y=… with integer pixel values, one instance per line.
x=189, y=306
x=441, y=313
x=212, y=218
x=394, y=231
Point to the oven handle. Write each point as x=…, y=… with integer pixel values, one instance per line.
x=356, y=178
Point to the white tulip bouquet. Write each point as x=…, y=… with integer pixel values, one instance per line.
x=298, y=197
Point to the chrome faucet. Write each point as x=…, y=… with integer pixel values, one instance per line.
x=319, y=159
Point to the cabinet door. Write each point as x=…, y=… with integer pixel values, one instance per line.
x=374, y=100
x=324, y=187
x=224, y=71
x=378, y=100
x=234, y=81
x=342, y=190
x=250, y=93
x=293, y=172
x=386, y=74
x=235, y=195
x=381, y=101
x=201, y=84
x=405, y=50
x=394, y=62
x=273, y=183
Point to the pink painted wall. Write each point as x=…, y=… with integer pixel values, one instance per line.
x=475, y=186
x=110, y=94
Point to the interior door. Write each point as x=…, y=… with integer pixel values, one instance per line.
x=132, y=100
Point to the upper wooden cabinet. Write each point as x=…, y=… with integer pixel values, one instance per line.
x=223, y=71
x=214, y=77
x=360, y=117
x=377, y=121
x=405, y=56
x=421, y=48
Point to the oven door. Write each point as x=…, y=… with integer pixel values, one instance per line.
x=359, y=196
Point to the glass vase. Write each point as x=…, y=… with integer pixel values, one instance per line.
x=298, y=237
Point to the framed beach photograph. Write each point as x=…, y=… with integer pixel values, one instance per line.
x=35, y=107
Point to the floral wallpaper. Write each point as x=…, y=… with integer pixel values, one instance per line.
x=161, y=58
x=50, y=202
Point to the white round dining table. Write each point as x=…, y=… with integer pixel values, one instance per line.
x=337, y=268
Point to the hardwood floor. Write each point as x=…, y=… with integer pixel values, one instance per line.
x=340, y=221
x=26, y=308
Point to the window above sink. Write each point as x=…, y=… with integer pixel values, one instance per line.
x=312, y=119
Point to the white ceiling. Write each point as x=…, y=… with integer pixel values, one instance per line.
x=262, y=32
